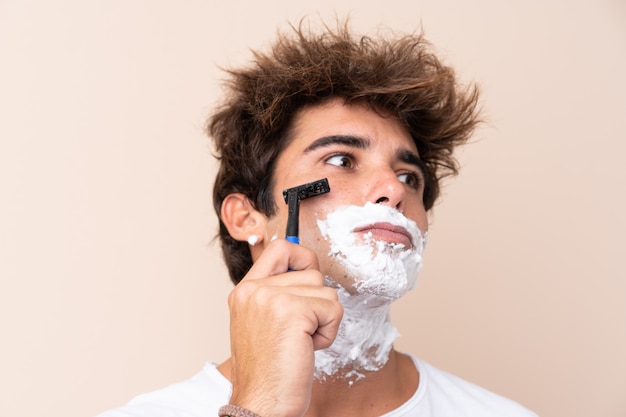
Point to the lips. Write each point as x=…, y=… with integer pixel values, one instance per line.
x=387, y=232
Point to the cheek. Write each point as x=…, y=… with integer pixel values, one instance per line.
x=347, y=192
x=275, y=228
x=309, y=230
x=310, y=234
x=422, y=223
x=419, y=216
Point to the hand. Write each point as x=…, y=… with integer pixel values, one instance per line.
x=277, y=320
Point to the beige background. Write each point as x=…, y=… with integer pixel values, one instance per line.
x=110, y=285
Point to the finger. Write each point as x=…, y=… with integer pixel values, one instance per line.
x=310, y=277
x=328, y=315
x=298, y=284
x=279, y=257
x=314, y=312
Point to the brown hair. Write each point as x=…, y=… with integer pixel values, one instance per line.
x=398, y=74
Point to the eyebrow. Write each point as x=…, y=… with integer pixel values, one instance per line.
x=403, y=155
x=347, y=140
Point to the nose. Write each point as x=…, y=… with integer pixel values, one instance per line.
x=387, y=189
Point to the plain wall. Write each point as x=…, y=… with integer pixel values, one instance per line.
x=110, y=285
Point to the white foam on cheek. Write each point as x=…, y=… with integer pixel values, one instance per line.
x=379, y=266
x=380, y=272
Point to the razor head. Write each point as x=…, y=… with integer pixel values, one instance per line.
x=305, y=191
x=293, y=196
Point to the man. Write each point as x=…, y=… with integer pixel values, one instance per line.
x=310, y=329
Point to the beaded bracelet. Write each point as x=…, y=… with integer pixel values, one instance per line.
x=235, y=411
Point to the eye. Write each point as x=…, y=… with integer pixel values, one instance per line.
x=341, y=160
x=411, y=179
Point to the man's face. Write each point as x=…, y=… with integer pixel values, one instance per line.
x=366, y=158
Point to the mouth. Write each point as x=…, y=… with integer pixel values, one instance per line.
x=387, y=232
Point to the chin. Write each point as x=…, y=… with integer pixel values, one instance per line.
x=386, y=276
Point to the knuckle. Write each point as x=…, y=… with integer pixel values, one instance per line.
x=280, y=245
x=282, y=300
x=313, y=277
x=320, y=278
x=261, y=294
x=331, y=294
x=242, y=291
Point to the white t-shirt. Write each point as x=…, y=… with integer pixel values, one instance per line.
x=439, y=394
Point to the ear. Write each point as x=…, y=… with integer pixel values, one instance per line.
x=241, y=219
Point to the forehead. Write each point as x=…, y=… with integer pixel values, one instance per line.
x=336, y=117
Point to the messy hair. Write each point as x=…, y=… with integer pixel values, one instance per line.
x=396, y=74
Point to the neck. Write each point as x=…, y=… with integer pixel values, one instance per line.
x=363, y=343
x=375, y=394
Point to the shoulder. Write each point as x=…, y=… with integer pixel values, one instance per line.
x=455, y=396
x=199, y=396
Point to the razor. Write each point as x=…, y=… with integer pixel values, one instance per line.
x=293, y=196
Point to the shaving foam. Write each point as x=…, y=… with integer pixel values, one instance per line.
x=379, y=272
